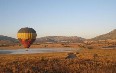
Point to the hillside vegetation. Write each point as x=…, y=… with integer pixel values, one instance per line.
x=5, y=40
x=111, y=35
x=59, y=39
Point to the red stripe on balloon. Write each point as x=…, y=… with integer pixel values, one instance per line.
x=26, y=42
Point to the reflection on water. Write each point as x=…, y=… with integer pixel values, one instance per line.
x=37, y=50
x=5, y=52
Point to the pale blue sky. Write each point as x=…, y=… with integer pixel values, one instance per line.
x=84, y=18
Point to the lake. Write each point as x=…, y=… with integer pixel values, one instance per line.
x=37, y=50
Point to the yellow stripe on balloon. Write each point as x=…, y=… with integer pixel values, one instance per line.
x=27, y=35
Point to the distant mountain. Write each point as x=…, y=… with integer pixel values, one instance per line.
x=58, y=39
x=110, y=35
x=7, y=40
x=48, y=39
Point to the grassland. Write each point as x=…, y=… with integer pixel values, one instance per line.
x=44, y=45
x=87, y=61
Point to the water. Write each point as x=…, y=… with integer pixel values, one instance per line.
x=37, y=50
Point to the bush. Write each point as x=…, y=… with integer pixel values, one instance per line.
x=90, y=47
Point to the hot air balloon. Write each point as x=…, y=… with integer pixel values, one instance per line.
x=26, y=36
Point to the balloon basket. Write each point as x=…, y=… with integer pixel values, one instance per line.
x=26, y=50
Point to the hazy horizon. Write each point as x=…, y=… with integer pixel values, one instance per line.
x=85, y=18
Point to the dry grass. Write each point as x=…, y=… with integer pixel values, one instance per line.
x=87, y=61
x=53, y=45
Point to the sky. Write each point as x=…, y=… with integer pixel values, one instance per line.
x=83, y=18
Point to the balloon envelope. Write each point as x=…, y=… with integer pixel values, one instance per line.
x=26, y=36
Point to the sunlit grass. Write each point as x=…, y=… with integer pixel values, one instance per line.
x=87, y=61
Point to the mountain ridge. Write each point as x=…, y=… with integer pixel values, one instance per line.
x=5, y=40
x=60, y=39
x=111, y=35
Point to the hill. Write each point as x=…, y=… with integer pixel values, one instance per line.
x=111, y=35
x=5, y=40
x=48, y=39
x=59, y=39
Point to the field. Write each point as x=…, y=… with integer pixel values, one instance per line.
x=44, y=45
x=87, y=61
